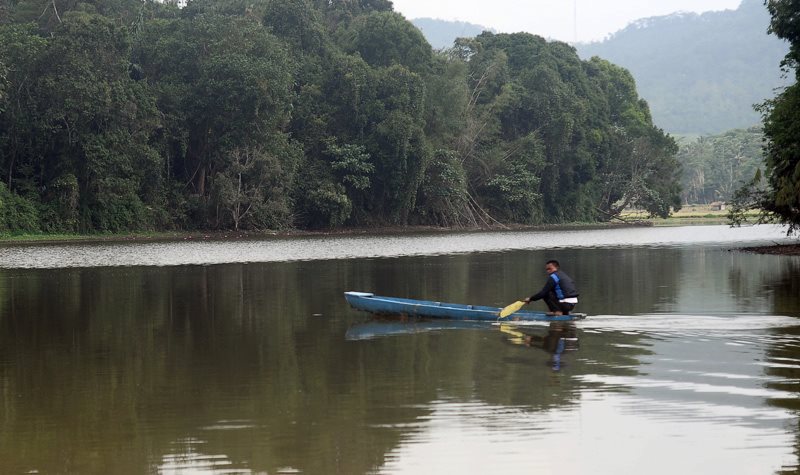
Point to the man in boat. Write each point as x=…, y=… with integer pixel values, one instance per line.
x=559, y=292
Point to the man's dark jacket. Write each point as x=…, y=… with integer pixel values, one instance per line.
x=559, y=284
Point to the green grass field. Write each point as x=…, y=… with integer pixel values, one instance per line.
x=689, y=214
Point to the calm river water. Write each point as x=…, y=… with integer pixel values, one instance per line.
x=243, y=357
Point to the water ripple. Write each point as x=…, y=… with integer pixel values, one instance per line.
x=674, y=385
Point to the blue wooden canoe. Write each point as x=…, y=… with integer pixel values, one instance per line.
x=451, y=311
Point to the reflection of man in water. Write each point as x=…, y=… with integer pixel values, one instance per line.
x=559, y=292
x=560, y=337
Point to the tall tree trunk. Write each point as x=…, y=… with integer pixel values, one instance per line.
x=200, y=180
x=196, y=162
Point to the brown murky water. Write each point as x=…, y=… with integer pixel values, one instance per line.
x=244, y=358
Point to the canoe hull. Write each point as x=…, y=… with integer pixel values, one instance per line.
x=380, y=305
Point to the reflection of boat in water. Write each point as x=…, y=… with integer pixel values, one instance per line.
x=560, y=337
x=440, y=310
x=393, y=327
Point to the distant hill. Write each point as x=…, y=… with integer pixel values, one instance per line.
x=700, y=74
x=441, y=33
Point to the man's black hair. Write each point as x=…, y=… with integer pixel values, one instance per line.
x=554, y=262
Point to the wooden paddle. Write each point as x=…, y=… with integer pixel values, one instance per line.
x=511, y=308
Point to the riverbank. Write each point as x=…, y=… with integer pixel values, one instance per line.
x=237, y=235
x=207, y=251
x=189, y=236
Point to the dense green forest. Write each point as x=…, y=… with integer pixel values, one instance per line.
x=716, y=166
x=701, y=74
x=123, y=115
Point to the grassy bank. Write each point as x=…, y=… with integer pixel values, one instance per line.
x=688, y=215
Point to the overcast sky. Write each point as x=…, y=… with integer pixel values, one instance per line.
x=555, y=18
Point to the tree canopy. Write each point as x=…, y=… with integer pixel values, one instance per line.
x=779, y=198
x=135, y=115
x=715, y=166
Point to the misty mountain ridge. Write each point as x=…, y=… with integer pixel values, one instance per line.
x=648, y=22
x=442, y=33
x=700, y=73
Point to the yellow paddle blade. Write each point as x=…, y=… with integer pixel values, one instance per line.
x=511, y=308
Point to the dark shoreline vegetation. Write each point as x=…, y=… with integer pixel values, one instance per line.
x=139, y=116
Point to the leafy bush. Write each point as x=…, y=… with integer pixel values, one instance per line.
x=328, y=206
x=17, y=215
